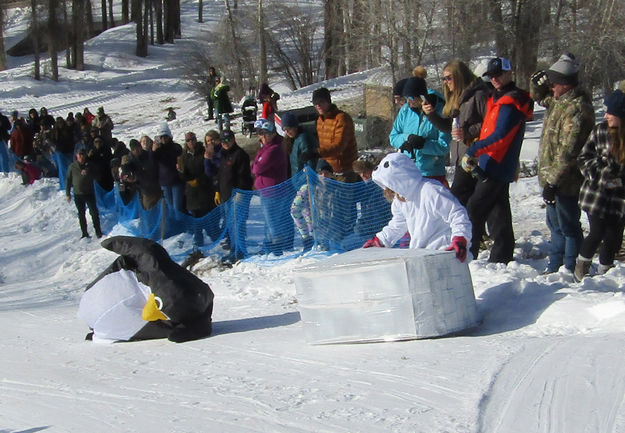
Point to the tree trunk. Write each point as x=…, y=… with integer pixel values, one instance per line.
x=89, y=17
x=410, y=26
x=375, y=44
x=262, y=46
x=496, y=18
x=142, y=45
x=200, y=11
x=104, y=22
x=111, y=18
x=35, y=36
x=168, y=15
x=78, y=34
x=125, y=15
x=147, y=14
x=177, y=20
x=66, y=35
x=333, y=37
x=237, y=55
x=158, y=17
x=53, y=29
x=3, y=57
x=526, y=32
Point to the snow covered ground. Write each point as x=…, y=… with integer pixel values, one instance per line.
x=546, y=357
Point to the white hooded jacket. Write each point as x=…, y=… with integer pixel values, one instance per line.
x=431, y=213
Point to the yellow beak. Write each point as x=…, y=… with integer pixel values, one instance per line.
x=151, y=311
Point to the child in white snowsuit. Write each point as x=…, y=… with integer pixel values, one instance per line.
x=423, y=207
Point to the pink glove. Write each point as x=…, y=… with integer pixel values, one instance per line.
x=459, y=245
x=373, y=242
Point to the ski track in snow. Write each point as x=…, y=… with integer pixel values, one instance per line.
x=555, y=383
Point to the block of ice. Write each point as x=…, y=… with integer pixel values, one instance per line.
x=385, y=294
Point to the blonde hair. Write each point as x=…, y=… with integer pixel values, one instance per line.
x=463, y=79
x=616, y=137
x=389, y=195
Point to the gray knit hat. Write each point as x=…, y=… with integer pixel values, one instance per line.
x=564, y=71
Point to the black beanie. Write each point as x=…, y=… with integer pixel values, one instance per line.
x=414, y=87
x=321, y=94
x=398, y=88
x=615, y=104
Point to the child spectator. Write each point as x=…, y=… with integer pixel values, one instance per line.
x=30, y=172
x=424, y=207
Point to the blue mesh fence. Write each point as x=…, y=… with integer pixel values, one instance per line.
x=305, y=212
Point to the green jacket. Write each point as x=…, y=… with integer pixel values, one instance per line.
x=568, y=122
x=222, y=100
x=80, y=178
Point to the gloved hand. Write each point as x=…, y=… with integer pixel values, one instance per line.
x=540, y=87
x=217, y=199
x=459, y=245
x=415, y=141
x=540, y=78
x=412, y=144
x=549, y=194
x=373, y=242
x=468, y=163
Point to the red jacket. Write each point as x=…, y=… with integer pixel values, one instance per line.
x=21, y=141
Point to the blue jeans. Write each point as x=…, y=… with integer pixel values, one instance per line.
x=173, y=195
x=4, y=158
x=566, y=232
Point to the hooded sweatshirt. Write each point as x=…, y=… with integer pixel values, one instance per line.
x=430, y=212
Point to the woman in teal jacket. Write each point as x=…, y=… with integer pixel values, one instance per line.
x=416, y=136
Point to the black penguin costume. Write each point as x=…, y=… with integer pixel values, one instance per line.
x=154, y=295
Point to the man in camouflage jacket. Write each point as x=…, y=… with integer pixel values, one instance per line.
x=569, y=118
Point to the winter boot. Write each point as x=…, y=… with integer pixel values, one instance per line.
x=582, y=266
x=96, y=226
x=308, y=243
x=83, y=226
x=602, y=269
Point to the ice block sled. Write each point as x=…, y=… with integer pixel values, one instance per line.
x=385, y=294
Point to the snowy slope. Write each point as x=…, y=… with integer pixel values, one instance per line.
x=547, y=356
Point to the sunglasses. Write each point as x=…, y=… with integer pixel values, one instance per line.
x=188, y=139
x=447, y=78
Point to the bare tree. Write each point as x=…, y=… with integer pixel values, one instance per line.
x=89, y=17
x=52, y=33
x=293, y=47
x=237, y=55
x=111, y=18
x=125, y=12
x=262, y=45
x=3, y=57
x=333, y=37
x=142, y=37
x=35, y=39
x=78, y=35
x=104, y=18
x=158, y=17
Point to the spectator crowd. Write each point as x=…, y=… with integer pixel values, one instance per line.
x=475, y=122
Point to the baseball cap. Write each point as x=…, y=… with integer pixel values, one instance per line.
x=264, y=125
x=497, y=66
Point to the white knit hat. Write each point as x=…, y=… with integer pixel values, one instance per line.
x=565, y=70
x=163, y=129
